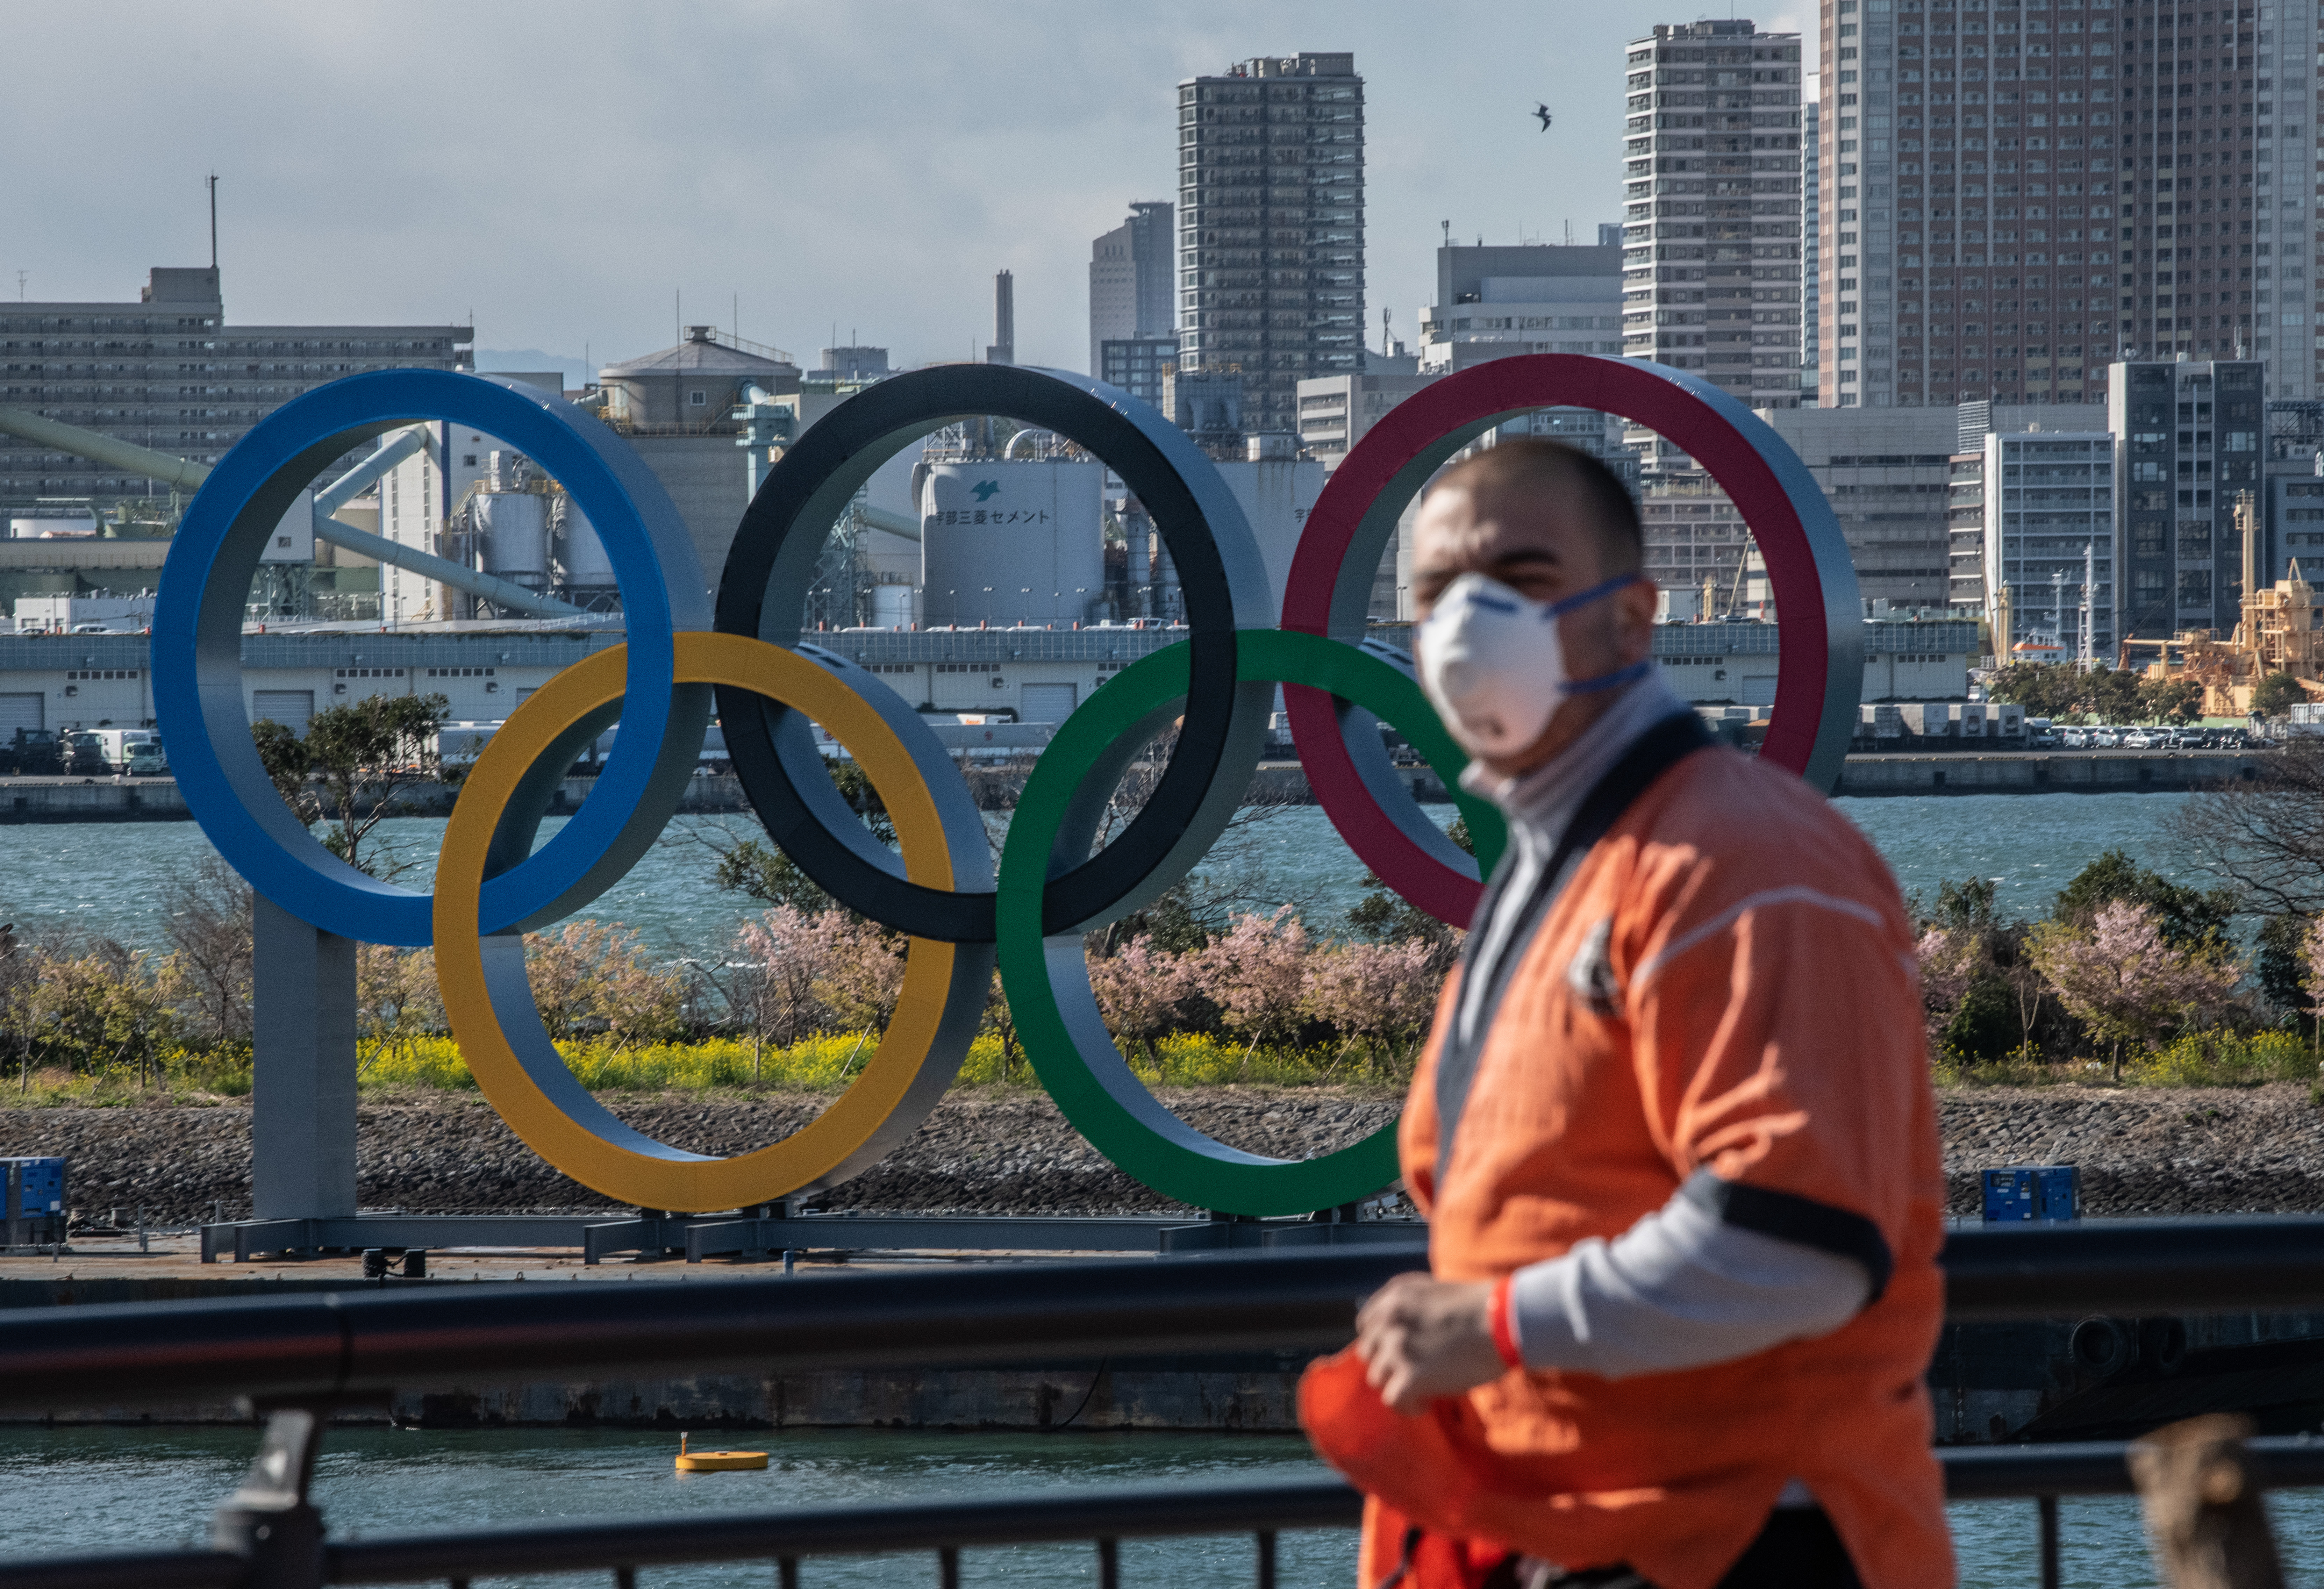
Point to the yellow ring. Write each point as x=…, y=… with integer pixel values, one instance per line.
x=918, y=1056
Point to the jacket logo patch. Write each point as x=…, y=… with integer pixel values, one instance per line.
x=1591, y=975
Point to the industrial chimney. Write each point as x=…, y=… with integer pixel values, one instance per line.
x=1003, y=350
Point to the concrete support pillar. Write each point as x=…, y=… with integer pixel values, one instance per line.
x=302, y=1105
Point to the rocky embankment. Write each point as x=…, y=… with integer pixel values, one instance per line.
x=2141, y=1151
x=978, y=1153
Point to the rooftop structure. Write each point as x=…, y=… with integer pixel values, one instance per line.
x=1495, y=301
x=693, y=385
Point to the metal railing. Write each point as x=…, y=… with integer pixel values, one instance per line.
x=298, y=1358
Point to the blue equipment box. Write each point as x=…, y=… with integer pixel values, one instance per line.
x=32, y=1200
x=2039, y=1191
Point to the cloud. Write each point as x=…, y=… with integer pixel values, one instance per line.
x=564, y=169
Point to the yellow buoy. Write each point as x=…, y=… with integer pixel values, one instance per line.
x=716, y=1462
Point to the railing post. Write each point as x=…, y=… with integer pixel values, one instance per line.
x=270, y=1520
x=948, y=1567
x=2048, y=1507
x=1267, y=1559
x=1109, y=1564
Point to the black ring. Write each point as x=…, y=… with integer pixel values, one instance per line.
x=762, y=592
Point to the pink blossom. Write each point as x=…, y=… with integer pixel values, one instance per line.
x=1256, y=973
x=1145, y=992
x=1379, y=993
x=1950, y=962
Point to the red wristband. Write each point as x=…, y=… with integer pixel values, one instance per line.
x=1505, y=1333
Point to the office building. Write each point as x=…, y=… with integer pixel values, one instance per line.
x=2187, y=439
x=1711, y=244
x=2293, y=487
x=1336, y=411
x=1494, y=302
x=169, y=373
x=2023, y=193
x=1886, y=476
x=2041, y=505
x=1131, y=295
x=1271, y=228
x=1137, y=364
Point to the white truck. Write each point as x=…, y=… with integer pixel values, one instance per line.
x=121, y=747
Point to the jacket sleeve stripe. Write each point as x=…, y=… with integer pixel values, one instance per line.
x=1802, y=1221
x=1764, y=900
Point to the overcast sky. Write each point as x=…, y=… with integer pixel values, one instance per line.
x=562, y=171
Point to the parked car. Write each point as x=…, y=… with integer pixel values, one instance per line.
x=2137, y=739
x=2044, y=740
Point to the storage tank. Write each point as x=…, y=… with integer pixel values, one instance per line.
x=1008, y=543
x=892, y=606
x=1278, y=492
x=581, y=560
x=512, y=536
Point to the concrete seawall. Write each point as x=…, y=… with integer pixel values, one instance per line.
x=157, y=799
x=2046, y=772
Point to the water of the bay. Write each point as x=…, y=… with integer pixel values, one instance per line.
x=93, y=1489
x=103, y=876
x=118, y=1489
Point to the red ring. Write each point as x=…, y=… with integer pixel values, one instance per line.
x=1820, y=644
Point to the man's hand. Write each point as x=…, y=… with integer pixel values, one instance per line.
x=1422, y=1339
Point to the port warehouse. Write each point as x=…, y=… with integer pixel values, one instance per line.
x=484, y=671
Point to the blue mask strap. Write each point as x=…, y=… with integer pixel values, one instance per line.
x=1585, y=597
x=1614, y=680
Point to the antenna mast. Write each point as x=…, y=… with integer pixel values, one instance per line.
x=211, y=183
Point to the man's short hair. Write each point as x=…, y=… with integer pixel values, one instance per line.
x=1535, y=465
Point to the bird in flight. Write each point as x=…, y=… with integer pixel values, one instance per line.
x=1541, y=111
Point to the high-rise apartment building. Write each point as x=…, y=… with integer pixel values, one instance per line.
x=1131, y=296
x=168, y=373
x=2019, y=193
x=1271, y=227
x=1710, y=278
x=1810, y=247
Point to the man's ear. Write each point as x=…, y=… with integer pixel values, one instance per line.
x=1634, y=618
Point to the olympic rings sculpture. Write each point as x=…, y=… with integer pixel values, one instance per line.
x=739, y=643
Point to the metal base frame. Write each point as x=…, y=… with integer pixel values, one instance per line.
x=763, y=1234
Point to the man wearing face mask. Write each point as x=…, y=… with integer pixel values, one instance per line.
x=1673, y=1131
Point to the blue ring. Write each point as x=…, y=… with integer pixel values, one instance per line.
x=196, y=652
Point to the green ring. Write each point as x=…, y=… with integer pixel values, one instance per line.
x=1065, y=1038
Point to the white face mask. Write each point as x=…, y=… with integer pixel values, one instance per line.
x=1493, y=666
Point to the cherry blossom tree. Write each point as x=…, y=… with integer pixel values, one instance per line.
x=2124, y=981
x=1256, y=973
x=1145, y=992
x=1380, y=995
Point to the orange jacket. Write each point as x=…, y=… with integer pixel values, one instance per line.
x=1766, y=1023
